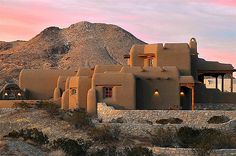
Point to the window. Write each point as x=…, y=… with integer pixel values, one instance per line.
x=150, y=62
x=73, y=92
x=107, y=92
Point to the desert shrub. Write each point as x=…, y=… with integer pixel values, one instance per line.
x=22, y=104
x=218, y=119
x=110, y=151
x=145, y=122
x=79, y=118
x=206, y=141
x=105, y=134
x=51, y=107
x=187, y=136
x=138, y=151
x=30, y=134
x=57, y=153
x=170, y=121
x=71, y=147
x=226, y=140
x=163, y=137
x=118, y=120
x=162, y=121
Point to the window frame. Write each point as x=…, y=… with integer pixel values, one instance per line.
x=107, y=92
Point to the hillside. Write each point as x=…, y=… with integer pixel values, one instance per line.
x=81, y=44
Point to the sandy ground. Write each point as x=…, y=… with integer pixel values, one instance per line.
x=11, y=119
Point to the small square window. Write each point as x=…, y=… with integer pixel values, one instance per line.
x=107, y=92
x=73, y=92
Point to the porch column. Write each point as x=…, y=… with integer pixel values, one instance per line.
x=216, y=81
x=193, y=104
x=232, y=83
x=222, y=83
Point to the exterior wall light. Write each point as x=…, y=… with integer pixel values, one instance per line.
x=181, y=93
x=6, y=94
x=156, y=93
x=19, y=94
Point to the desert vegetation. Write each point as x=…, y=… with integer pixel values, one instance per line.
x=169, y=121
x=218, y=119
x=107, y=138
x=202, y=141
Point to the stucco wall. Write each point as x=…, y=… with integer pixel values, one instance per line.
x=123, y=92
x=41, y=83
x=207, y=95
x=173, y=55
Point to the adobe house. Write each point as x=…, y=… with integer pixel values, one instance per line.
x=157, y=76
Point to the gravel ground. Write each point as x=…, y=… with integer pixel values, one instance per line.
x=12, y=119
x=20, y=148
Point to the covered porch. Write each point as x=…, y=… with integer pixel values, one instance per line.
x=218, y=75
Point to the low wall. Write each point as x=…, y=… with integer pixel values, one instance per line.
x=188, y=152
x=215, y=106
x=138, y=122
x=10, y=103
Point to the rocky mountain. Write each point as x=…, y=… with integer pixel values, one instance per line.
x=81, y=44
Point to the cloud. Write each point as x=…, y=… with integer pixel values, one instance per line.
x=231, y=3
x=212, y=22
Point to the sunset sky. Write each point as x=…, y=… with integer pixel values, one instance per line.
x=212, y=22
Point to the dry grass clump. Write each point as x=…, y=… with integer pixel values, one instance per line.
x=79, y=118
x=22, y=104
x=30, y=134
x=163, y=137
x=105, y=134
x=51, y=107
x=138, y=151
x=57, y=152
x=218, y=119
x=71, y=147
x=169, y=121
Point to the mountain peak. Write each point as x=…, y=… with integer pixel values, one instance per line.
x=81, y=44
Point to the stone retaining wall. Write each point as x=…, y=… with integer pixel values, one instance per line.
x=138, y=122
x=215, y=106
x=189, y=152
x=197, y=118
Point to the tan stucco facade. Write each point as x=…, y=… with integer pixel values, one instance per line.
x=157, y=76
x=41, y=83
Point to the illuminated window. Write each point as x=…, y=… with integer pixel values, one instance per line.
x=107, y=92
x=150, y=62
x=73, y=92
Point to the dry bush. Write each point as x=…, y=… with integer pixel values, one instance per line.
x=51, y=107
x=30, y=134
x=187, y=136
x=22, y=104
x=105, y=134
x=218, y=119
x=57, y=153
x=163, y=137
x=79, y=118
x=71, y=147
x=138, y=151
x=106, y=151
x=169, y=121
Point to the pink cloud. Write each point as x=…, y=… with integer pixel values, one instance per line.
x=36, y=16
x=220, y=56
x=224, y=2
